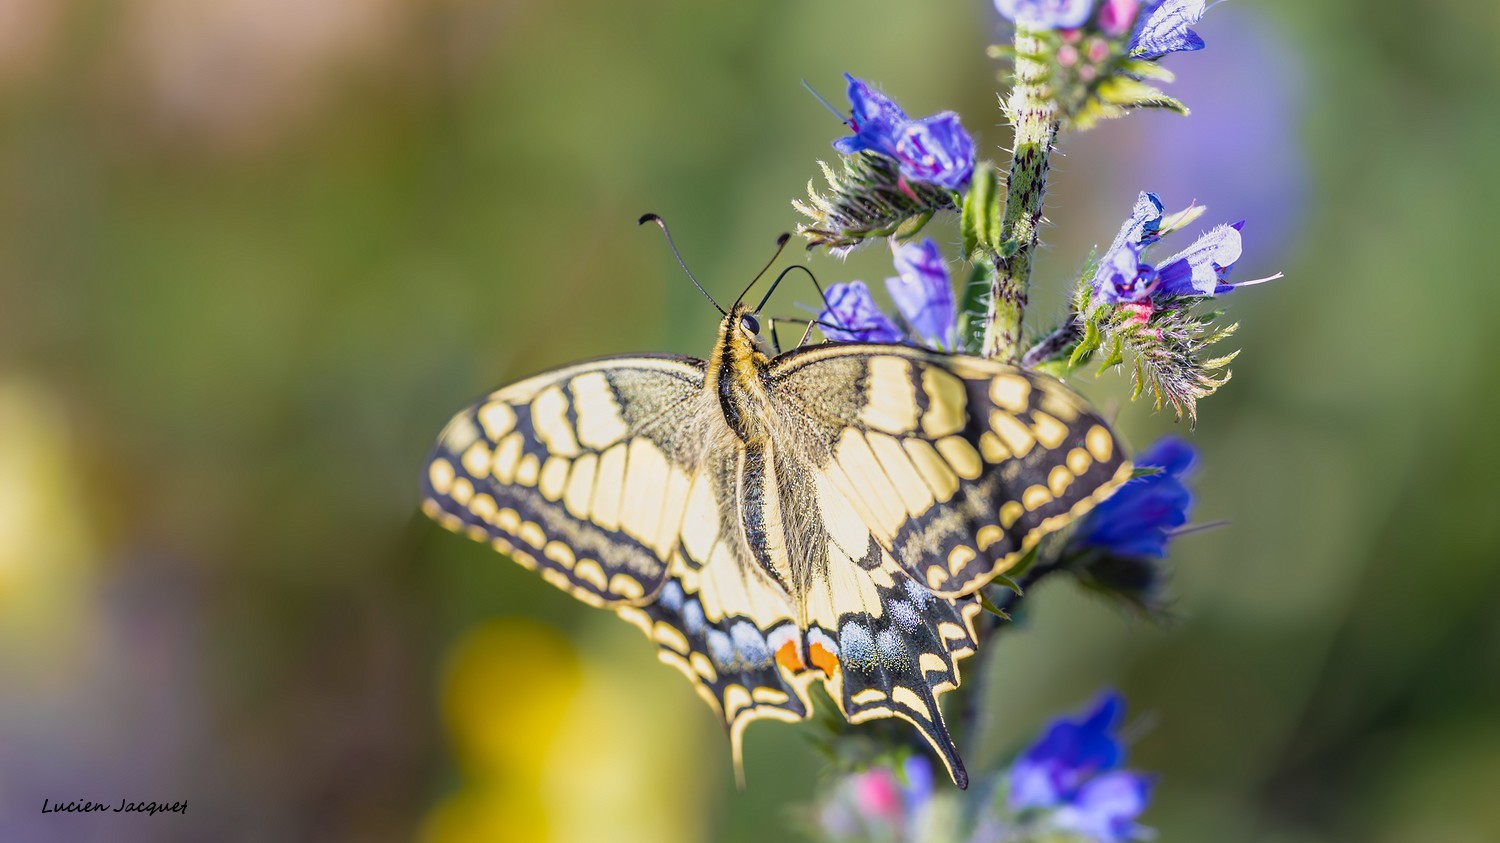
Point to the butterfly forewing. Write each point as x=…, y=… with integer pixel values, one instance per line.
x=582, y=473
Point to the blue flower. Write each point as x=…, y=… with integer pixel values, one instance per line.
x=1163, y=28
x=1141, y=518
x=1071, y=775
x=923, y=294
x=1046, y=14
x=934, y=150
x=1199, y=270
x=851, y=316
x=875, y=119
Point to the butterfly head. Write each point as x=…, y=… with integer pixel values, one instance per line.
x=741, y=339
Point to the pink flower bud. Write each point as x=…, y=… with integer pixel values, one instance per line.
x=1116, y=16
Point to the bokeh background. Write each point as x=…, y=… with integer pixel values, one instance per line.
x=253, y=253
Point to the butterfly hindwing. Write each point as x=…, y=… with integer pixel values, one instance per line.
x=958, y=465
x=581, y=473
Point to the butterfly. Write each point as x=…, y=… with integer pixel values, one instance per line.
x=775, y=520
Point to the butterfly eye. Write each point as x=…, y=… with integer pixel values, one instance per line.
x=750, y=323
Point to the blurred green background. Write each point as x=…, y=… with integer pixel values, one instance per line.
x=253, y=254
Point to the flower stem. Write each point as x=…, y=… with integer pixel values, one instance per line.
x=1064, y=337
x=1033, y=112
x=987, y=627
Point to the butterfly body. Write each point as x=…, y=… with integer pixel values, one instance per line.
x=821, y=515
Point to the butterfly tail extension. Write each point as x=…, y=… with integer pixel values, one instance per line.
x=735, y=663
x=899, y=662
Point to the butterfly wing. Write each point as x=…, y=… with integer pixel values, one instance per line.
x=581, y=473
x=918, y=477
x=618, y=481
x=956, y=465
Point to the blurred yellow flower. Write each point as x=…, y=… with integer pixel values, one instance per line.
x=567, y=746
x=46, y=550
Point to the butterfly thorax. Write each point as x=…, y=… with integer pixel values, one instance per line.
x=737, y=373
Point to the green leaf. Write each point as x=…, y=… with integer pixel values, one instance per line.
x=989, y=606
x=974, y=302
x=1022, y=567
x=982, y=213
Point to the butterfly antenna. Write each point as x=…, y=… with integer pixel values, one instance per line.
x=826, y=104
x=780, y=244
x=645, y=218
x=827, y=306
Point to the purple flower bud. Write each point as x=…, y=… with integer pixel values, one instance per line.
x=1163, y=29
x=1144, y=223
x=1046, y=14
x=851, y=316
x=875, y=119
x=936, y=150
x=924, y=293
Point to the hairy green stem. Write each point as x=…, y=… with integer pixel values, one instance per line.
x=1033, y=112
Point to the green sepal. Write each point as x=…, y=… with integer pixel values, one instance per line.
x=1133, y=93
x=1092, y=339
x=866, y=199
x=1144, y=471
x=1179, y=220
x=1143, y=69
x=911, y=226
x=1001, y=52
x=1115, y=357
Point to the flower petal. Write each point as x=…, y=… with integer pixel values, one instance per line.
x=1198, y=269
x=1106, y=808
x=1140, y=518
x=851, y=316
x=875, y=119
x=924, y=293
x=1070, y=752
x=1046, y=14
x=936, y=150
x=1164, y=29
